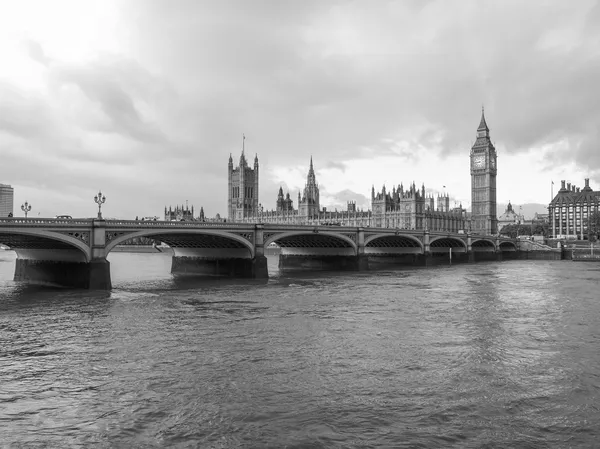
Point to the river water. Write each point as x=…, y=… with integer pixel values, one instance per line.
x=477, y=355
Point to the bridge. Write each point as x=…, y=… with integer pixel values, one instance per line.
x=72, y=252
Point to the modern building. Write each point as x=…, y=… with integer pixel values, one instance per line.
x=483, y=182
x=6, y=200
x=570, y=210
x=242, y=191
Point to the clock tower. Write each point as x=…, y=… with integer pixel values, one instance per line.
x=483, y=182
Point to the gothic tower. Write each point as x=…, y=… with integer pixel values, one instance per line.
x=483, y=182
x=308, y=204
x=242, y=190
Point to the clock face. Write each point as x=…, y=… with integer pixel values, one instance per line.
x=479, y=161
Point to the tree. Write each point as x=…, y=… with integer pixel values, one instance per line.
x=513, y=230
x=593, y=226
x=540, y=229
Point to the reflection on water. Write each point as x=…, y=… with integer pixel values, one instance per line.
x=479, y=355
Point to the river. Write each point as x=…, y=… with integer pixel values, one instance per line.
x=499, y=354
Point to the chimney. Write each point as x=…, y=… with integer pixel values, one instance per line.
x=562, y=184
x=577, y=189
x=568, y=186
x=587, y=183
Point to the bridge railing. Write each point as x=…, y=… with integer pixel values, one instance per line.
x=39, y=222
x=176, y=224
x=151, y=224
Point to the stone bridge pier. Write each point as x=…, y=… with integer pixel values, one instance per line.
x=321, y=249
x=214, y=255
x=68, y=262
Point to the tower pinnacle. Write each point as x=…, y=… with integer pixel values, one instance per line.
x=482, y=124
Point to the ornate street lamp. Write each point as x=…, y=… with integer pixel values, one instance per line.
x=26, y=208
x=99, y=200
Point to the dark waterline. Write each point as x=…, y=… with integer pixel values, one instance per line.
x=475, y=355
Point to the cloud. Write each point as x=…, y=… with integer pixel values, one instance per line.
x=36, y=52
x=152, y=102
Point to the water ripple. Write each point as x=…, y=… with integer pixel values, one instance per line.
x=482, y=355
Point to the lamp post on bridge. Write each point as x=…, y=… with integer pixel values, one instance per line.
x=26, y=208
x=99, y=200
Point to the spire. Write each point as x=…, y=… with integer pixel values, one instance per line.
x=310, y=179
x=256, y=159
x=243, y=156
x=482, y=124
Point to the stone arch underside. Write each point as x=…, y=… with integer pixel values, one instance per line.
x=508, y=246
x=47, y=245
x=196, y=243
x=393, y=244
x=311, y=243
x=483, y=246
x=445, y=244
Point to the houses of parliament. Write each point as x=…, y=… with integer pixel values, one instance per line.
x=401, y=207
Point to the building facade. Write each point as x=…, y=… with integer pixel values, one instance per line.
x=509, y=217
x=570, y=210
x=180, y=213
x=483, y=182
x=6, y=200
x=308, y=203
x=284, y=204
x=400, y=208
x=414, y=209
x=242, y=191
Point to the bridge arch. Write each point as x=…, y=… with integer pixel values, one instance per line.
x=443, y=242
x=389, y=241
x=319, y=239
x=483, y=244
x=206, y=238
x=25, y=241
x=508, y=246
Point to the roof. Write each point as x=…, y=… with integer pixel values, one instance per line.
x=482, y=124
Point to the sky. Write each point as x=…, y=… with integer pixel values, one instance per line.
x=145, y=100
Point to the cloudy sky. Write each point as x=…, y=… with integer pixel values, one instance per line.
x=146, y=99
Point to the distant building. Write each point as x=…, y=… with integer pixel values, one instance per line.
x=308, y=204
x=403, y=209
x=509, y=217
x=413, y=209
x=180, y=213
x=6, y=200
x=570, y=210
x=541, y=218
x=284, y=204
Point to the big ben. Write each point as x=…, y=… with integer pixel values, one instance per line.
x=483, y=182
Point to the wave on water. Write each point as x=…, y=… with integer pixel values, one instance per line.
x=125, y=295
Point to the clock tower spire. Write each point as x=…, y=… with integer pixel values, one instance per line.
x=484, y=218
